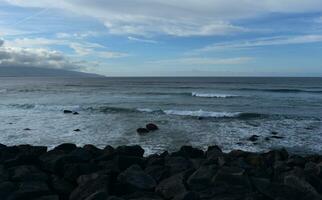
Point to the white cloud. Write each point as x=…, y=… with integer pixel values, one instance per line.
x=200, y=61
x=175, y=17
x=142, y=40
x=270, y=41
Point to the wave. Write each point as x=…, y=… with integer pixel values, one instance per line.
x=212, y=95
x=109, y=109
x=282, y=90
x=2, y=91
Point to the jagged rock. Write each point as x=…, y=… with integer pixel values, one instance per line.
x=178, y=164
x=187, y=196
x=302, y=185
x=6, y=189
x=201, y=178
x=85, y=190
x=51, y=197
x=99, y=195
x=61, y=186
x=172, y=186
x=134, y=179
x=158, y=172
x=123, y=162
x=190, y=152
x=30, y=190
x=75, y=113
x=73, y=171
x=152, y=127
x=135, y=150
x=27, y=173
x=66, y=147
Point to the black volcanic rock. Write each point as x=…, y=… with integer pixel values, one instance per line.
x=152, y=127
x=142, y=130
x=68, y=172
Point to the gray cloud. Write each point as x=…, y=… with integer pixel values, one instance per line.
x=26, y=57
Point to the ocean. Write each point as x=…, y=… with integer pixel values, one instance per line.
x=189, y=111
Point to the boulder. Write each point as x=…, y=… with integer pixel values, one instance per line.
x=253, y=138
x=74, y=170
x=151, y=127
x=135, y=151
x=61, y=186
x=77, y=130
x=75, y=113
x=201, y=178
x=99, y=195
x=302, y=185
x=134, y=179
x=190, y=152
x=124, y=162
x=158, y=172
x=50, y=197
x=178, y=164
x=30, y=190
x=27, y=173
x=187, y=196
x=172, y=186
x=66, y=147
x=6, y=189
x=85, y=190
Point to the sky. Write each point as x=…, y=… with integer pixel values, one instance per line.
x=164, y=37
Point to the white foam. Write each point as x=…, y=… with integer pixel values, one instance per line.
x=212, y=95
x=146, y=110
x=201, y=113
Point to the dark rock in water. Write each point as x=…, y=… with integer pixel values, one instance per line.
x=68, y=111
x=172, y=186
x=77, y=130
x=152, y=127
x=253, y=138
x=27, y=129
x=142, y=131
x=277, y=137
x=75, y=113
x=135, y=150
x=274, y=133
x=134, y=179
x=267, y=138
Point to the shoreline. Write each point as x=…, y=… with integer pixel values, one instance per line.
x=89, y=173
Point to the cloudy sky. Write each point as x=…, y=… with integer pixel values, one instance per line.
x=164, y=37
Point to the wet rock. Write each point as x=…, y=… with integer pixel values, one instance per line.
x=61, y=186
x=135, y=150
x=30, y=190
x=277, y=137
x=190, y=152
x=178, y=164
x=73, y=171
x=27, y=129
x=135, y=179
x=253, y=138
x=66, y=147
x=302, y=185
x=151, y=127
x=27, y=173
x=77, y=130
x=6, y=189
x=50, y=197
x=100, y=195
x=124, y=162
x=68, y=111
x=187, y=196
x=158, y=172
x=85, y=190
x=172, y=186
x=274, y=133
x=201, y=178
x=75, y=113
x=142, y=131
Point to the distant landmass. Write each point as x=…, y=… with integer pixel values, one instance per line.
x=41, y=72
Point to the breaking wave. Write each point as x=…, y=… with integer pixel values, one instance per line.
x=213, y=95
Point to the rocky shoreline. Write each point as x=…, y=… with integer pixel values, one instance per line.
x=89, y=173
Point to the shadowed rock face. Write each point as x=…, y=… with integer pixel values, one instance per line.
x=89, y=173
